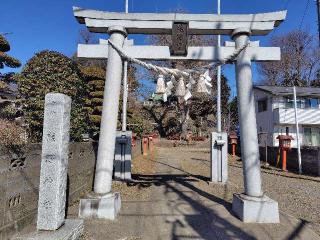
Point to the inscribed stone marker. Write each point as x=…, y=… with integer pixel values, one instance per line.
x=54, y=162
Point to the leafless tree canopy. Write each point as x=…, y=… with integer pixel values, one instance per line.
x=300, y=58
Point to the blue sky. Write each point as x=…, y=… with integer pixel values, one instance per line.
x=38, y=25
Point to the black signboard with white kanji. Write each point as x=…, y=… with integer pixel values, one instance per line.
x=179, y=46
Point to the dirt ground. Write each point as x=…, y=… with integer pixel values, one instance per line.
x=297, y=195
x=132, y=191
x=170, y=197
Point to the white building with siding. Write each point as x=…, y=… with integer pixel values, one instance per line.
x=275, y=114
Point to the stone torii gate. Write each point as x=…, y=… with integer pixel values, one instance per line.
x=219, y=161
x=253, y=205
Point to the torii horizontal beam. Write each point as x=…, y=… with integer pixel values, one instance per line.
x=161, y=23
x=165, y=27
x=194, y=53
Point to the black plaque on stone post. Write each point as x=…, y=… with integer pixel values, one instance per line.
x=179, y=46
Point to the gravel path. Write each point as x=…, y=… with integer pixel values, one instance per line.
x=171, y=198
x=297, y=195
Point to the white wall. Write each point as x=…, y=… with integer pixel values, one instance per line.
x=264, y=119
x=305, y=116
x=277, y=118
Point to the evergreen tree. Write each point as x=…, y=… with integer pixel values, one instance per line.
x=6, y=61
x=50, y=71
x=95, y=78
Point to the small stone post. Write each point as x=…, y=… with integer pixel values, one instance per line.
x=252, y=206
x=54, y=163
x=104, y=167
x=122, y=156
x=151, y=144
x=219, y=157
x=145, y=146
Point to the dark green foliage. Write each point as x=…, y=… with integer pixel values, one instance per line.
x=234, y=119
x=50, y=71
x=201, y=105
x=95, y=78
x=4, y=44
x=97, y=94
x=140, y=125
x=6, y=60
x=8, y=111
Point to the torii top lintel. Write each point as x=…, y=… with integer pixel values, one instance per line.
x=161, y=23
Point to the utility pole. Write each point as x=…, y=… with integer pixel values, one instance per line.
x=297, y=128
x=219, y=83
x=318, y=10
x=127, y=6
x=125, y=87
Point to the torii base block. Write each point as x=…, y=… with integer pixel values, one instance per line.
x=255, y=209
x=104, y=207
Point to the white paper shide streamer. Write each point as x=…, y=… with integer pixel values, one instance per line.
x=161, y=86
x=182, y=90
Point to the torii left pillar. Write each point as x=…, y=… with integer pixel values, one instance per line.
x=103, y=203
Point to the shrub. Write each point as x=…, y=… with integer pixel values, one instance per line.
x=95, y=78
x=11, y=134
x=50, y=71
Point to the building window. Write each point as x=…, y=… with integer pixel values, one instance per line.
x=289, y=102
x=262, y=105
x=307, y=103
x=301, y=102
x=311, y=136
x=312, y=103
x=307, y=137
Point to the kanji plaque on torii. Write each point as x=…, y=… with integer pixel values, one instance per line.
x=252, y=205
x=179, y=45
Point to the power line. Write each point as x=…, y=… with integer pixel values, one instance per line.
x=318, y=12
x=304, y=14
x=287, y=4
x=284, y=7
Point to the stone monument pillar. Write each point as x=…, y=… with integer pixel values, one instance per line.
x=51, y=222
x=253, y=205
x=54, y=163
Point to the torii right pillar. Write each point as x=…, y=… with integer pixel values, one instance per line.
x=252, y=206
